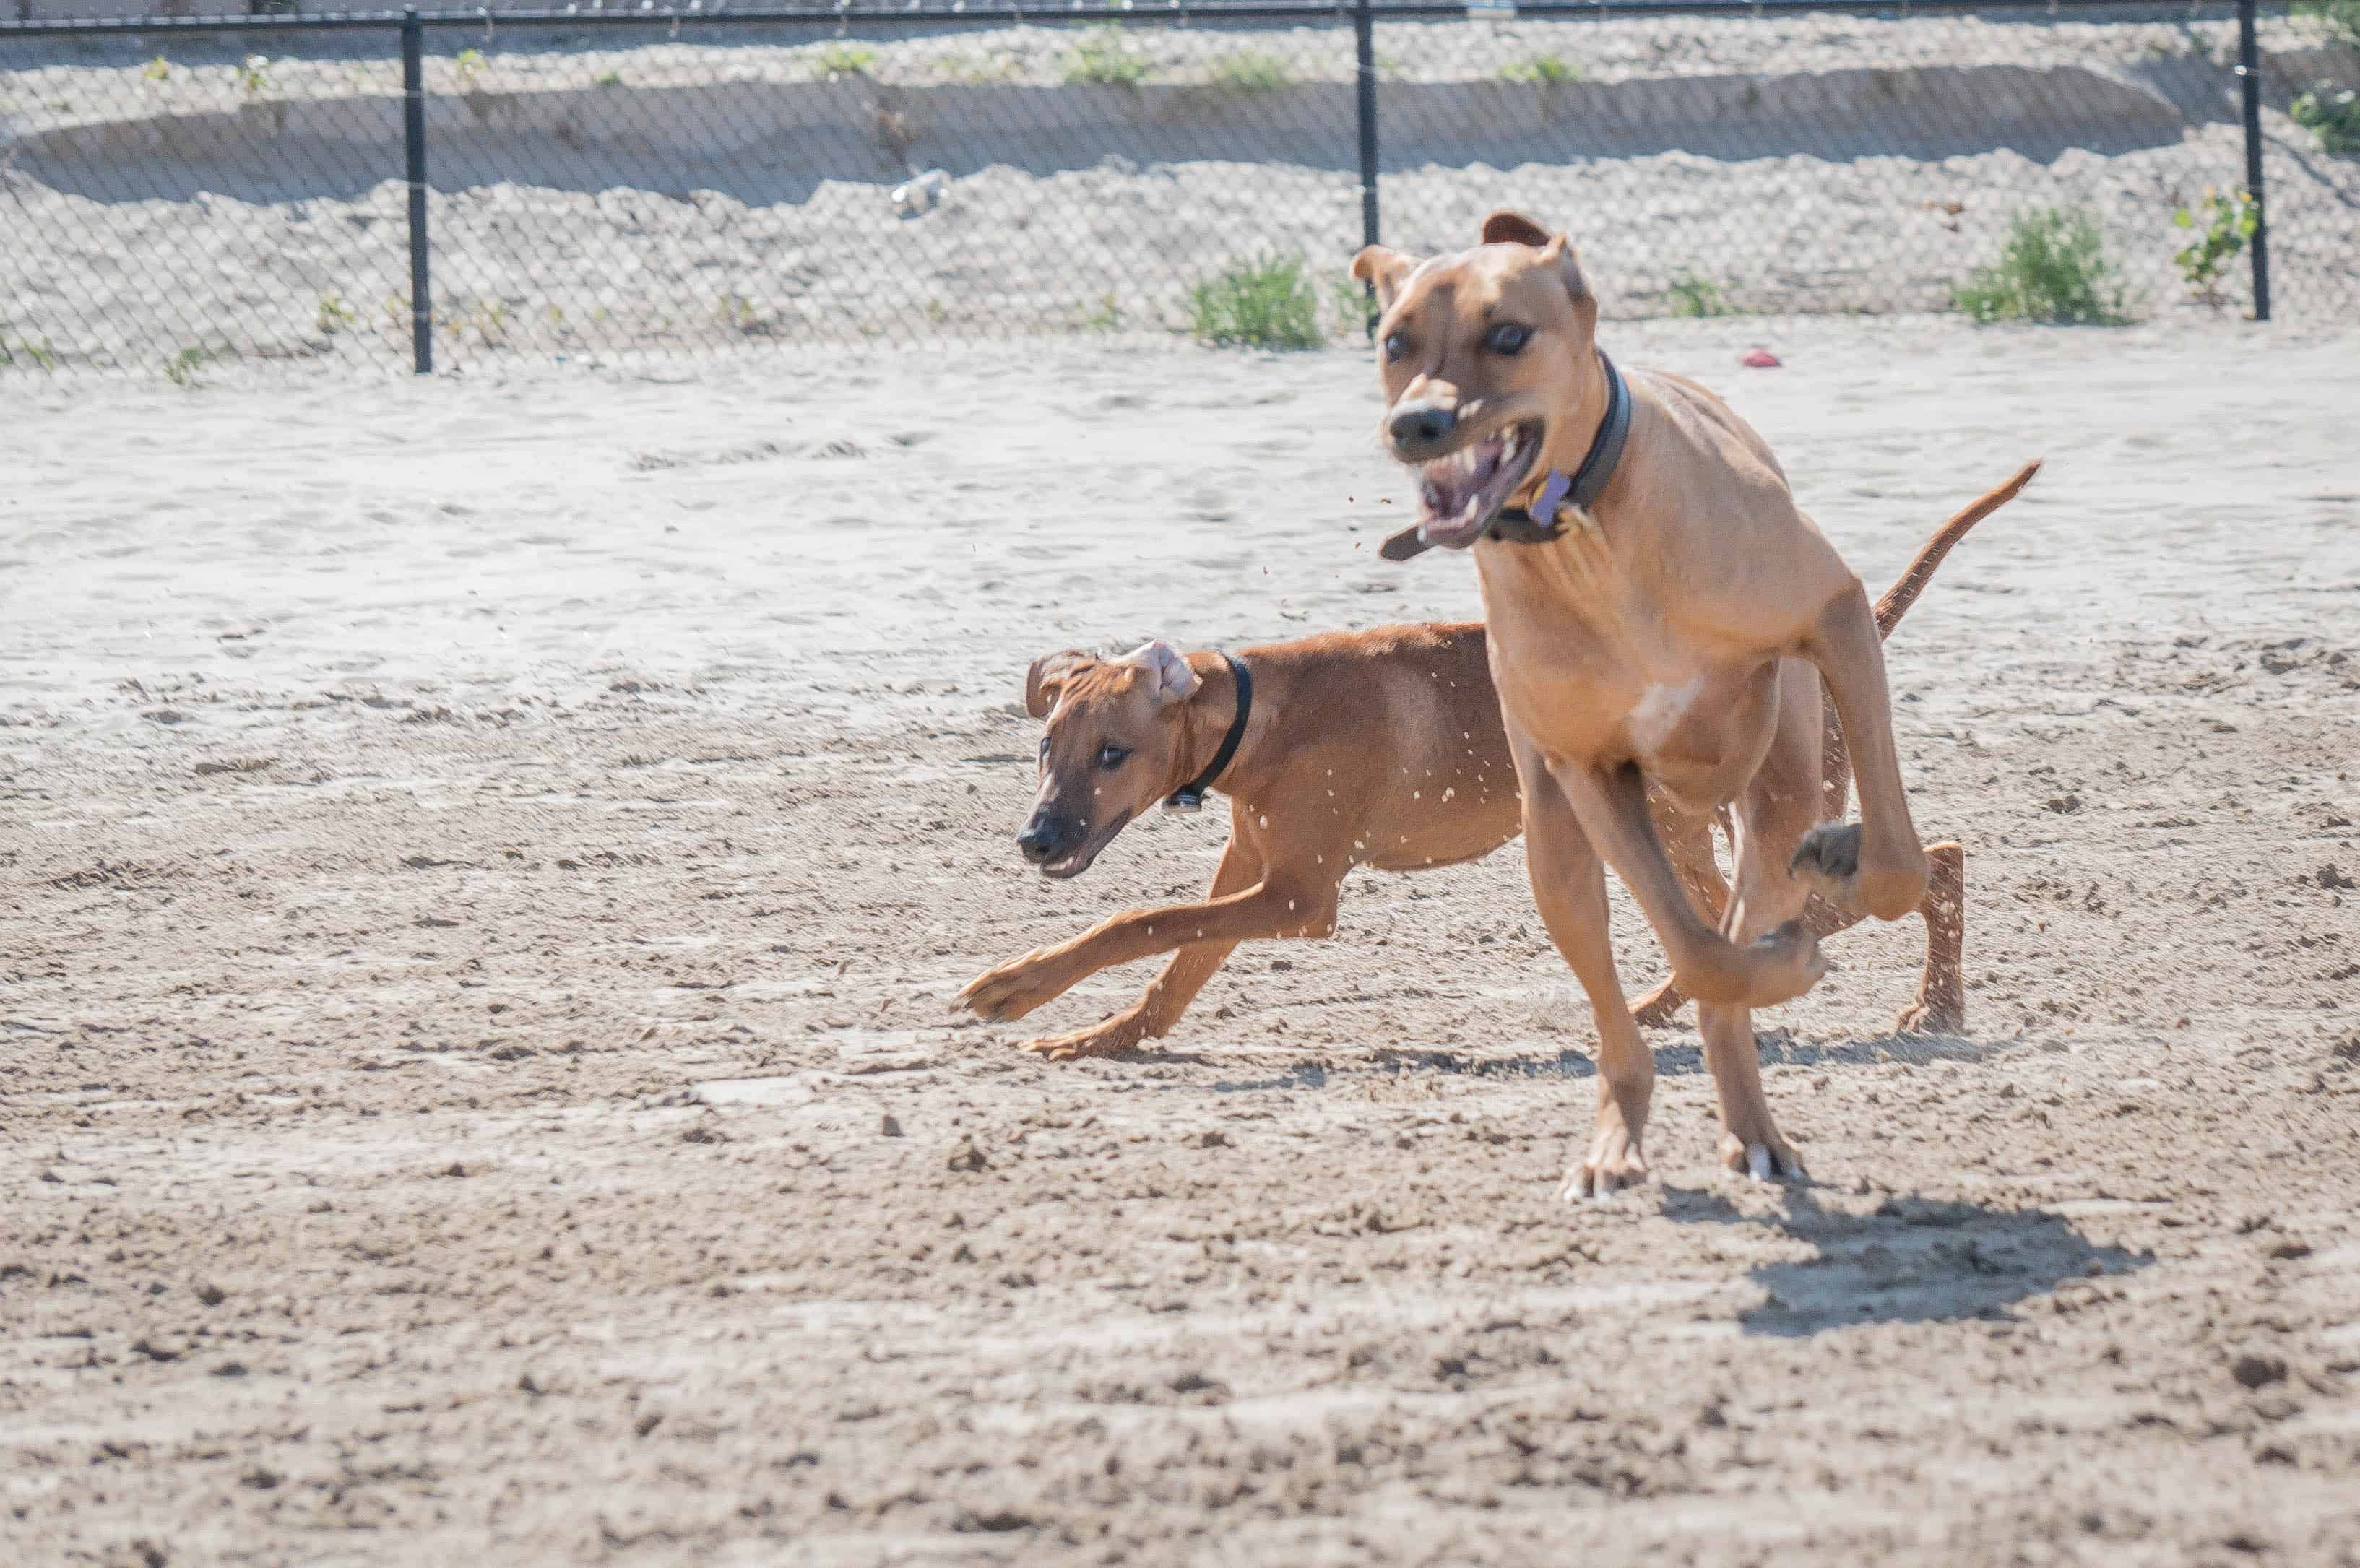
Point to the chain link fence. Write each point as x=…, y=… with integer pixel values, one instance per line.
x=603, y=183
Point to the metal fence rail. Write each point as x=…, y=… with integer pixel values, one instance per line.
x=399, y=190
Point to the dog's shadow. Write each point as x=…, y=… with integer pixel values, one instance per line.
x=1910, y=1261
x=1776, y=1047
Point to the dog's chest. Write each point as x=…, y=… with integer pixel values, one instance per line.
x=1662, y=706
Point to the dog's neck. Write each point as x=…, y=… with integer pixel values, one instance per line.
x=1567, y=452
x=1205, y=720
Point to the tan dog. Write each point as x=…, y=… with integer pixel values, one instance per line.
x=1671, y=627
x=1381, y=747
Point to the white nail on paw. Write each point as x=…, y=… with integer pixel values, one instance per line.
x=1757, y=1161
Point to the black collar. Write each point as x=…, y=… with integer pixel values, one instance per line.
x=1581, y=488
x=1190, y=796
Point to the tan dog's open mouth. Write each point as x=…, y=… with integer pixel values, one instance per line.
x=1461, y=494
x=1074, y=864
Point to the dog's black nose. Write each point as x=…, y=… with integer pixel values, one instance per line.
x=1421, y=426
x=1043, y=837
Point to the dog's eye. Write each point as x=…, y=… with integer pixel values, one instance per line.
x=1113, y=756
x=1396, y=346
x=1044, y=748
x=1508, y=338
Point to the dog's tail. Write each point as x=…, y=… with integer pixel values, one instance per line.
x=1912, y=582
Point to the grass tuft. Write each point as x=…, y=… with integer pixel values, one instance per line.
x=2333, y=117
x=844, y=60
x=2053, y=269
x=1543, y=70
x=1694, y=295
x=1106, y=58
x=1265, y=302
x=1251, y=71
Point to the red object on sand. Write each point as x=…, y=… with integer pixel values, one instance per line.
x=1760, y=359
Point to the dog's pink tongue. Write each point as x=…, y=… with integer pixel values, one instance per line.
x=1440, y=499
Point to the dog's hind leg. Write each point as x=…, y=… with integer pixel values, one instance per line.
x=1569, y=889
x=1874, y=867
x=1940, y=1006
x=1687, y=840
x=1779, y=807
x=1941, y=1003
x=1169, y=994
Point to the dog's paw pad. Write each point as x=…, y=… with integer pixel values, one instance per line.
x=1830, y=851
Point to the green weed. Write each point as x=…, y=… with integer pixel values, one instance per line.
x=180, y=370
x=253, y=75
x=1543, y=70
x=467, y=67
x=844, y=60
x=2225, y=222
x=1267, y=303
x=1694, y=295
x=1106, y=58
x=39, y=356
x=491, y=321
x=2333, y=117
x=1251, y=71
x=742, y=315
x=333, y=315
x=2052, y=269
x=157, y=69
x=1106, y=318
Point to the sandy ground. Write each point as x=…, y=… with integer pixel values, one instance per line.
x=592, y=198
x=486, y=863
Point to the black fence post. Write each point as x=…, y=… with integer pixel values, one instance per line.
x=413, y=139
x=2249, y=73
x=1365, y=41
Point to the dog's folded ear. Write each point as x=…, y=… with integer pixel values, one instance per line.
x=1174, y=680
x=1506, y=227
x=1049, y=673
x=1385, y=269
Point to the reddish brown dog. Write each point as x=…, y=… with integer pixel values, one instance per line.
x=1382, y=747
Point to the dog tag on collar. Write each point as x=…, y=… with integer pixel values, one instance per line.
x=1552, y=497
x=1184, y=803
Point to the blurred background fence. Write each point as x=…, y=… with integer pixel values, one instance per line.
x=598, y=182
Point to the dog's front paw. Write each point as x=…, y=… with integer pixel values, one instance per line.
x=1828, y=860
x=1831, y=862
x=1765, y=1157
x=1112, y=1038
x=1615, y=1160
x=1012, y=989
x=1782, y=964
